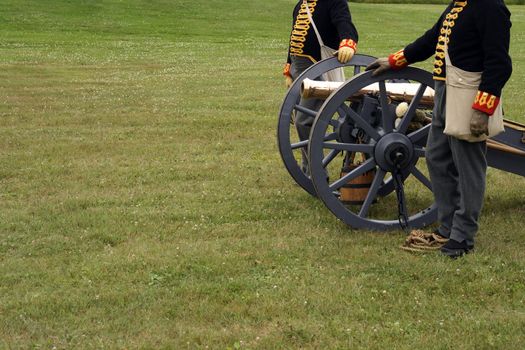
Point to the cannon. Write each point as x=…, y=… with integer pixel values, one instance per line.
x=366, y=150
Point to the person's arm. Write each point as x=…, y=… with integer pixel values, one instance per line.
x=288, y=59
x=288, y=80
x=419, y=50
x=424, y=46
x=342, y=20
x=493, y=22
x=286, y=69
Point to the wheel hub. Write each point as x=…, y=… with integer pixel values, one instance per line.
x=393, y=151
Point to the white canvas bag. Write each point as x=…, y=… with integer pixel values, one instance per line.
x=461, y=90
x=326, y=52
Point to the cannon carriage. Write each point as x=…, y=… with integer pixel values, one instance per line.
x=366, y=150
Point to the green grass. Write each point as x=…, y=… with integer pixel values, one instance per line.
x=143, y=203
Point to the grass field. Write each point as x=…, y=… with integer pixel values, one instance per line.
x=143, y=203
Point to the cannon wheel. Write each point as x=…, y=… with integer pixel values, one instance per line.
x=289, y=149
x=385, y=142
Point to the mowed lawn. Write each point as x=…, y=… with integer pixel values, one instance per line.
x=143, y=202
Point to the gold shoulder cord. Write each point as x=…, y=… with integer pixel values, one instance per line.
x=443, y=40
x=300, y=30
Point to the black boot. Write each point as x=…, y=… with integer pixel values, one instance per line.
x=455, y=249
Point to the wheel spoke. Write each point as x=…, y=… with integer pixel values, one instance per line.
x=330, y=137
x=407, y=118
x=305, y=110
x=369, y=129
x=342, y=111
x=372, y=192
x=419, y=152
x=421, y=177
x=419, y=133
x=299, y=144
x=388, y=122
x=331, y=156
x=342, y=116
x=368, y=165
x=334, y=123
x=351, y=147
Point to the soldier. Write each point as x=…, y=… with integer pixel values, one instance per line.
x=334, y=24
x=470, y=36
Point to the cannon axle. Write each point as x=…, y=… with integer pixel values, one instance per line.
x=394, y=151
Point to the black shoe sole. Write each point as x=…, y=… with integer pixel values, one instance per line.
x=454, y=253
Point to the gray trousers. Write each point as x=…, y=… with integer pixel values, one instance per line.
x=304, y=122
x=457, y=170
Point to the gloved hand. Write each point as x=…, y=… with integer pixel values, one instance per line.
x=395, y=61
x=288, y=80
x=379, y=66
x=346, y=50
x=479, y=123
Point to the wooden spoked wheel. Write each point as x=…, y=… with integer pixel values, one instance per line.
x=386, y=150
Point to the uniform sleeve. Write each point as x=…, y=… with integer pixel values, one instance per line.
x=342, y=20
x=288, y=58
x=493, y=21
x=425, y=46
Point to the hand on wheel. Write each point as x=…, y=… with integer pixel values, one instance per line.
x=379, y=66
x=395, y=61
x=346, y=50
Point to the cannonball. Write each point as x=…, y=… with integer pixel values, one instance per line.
x=401, y=109
x=397, y=122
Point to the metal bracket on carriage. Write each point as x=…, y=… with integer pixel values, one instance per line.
x=396, y=91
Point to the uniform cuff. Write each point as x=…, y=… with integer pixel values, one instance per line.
x=397, y=60
x=348, y=43
x=485, y=102
x=286, y=70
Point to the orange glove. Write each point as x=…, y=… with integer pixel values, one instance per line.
x=347, y=49
x=288, y=80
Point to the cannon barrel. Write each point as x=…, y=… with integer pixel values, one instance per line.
x=396, y=91
x=318, y=89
